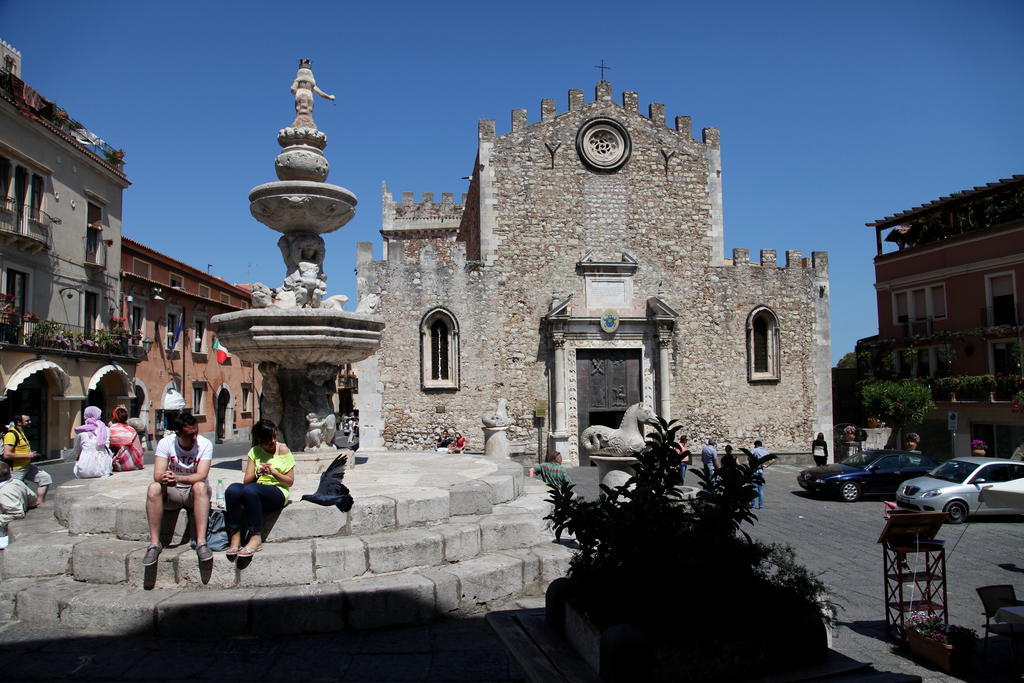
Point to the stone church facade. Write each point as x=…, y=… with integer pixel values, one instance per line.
x=581, y=273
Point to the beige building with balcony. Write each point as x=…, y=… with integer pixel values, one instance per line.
x=60, y=234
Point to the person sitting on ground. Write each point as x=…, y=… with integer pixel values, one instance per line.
x=124, y=442
x=269, y=474
x=182, y=465
x=19, y=454
x=444, y=440
x=92, y=446
x=551, y=471
x=15, y=500
x=458, y=443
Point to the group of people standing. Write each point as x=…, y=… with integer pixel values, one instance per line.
x=712, y=462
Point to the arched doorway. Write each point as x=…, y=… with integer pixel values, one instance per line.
x=223, y=398
x=96, y=397
x=31, y=398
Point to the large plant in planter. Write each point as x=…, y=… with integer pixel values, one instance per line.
x=898, y=403
x=685, y=573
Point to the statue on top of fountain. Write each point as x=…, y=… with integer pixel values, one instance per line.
x=306, y=283
x=303, y=88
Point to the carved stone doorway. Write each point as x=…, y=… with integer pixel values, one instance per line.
x=609, y=381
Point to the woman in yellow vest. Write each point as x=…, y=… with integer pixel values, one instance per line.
x=265, y=487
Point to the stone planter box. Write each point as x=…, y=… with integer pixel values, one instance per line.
x=948, y=658
x=621, y=652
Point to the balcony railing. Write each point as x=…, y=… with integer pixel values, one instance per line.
x=977, y=388
x=27, y=222
x=28, y=330
x=95, y=252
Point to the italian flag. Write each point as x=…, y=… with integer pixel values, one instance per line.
x=221, y=351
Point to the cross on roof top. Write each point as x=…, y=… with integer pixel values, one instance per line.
x=603, y=68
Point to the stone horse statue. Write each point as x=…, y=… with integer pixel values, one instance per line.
x=624, y=441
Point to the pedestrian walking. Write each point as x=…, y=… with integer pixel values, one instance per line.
x=709, y=458
x=760, y=452
x=819, y=449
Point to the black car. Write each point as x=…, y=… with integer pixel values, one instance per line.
x=868, y=472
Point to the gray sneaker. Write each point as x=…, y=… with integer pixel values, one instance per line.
x=204, y=553
x=152, y=555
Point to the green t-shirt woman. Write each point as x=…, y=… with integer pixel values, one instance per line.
x=269, y=474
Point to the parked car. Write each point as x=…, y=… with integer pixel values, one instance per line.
x=953, y=488
x=870, y=472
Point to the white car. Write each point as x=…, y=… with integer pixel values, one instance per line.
x=953, y=488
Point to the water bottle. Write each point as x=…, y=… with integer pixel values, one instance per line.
x=219, y=502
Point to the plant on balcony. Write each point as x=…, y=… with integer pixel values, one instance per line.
x=115, y=157
x=898, y=403
x=30, y=317
x=1017, y=405
x=50, y=334
x=639, y=538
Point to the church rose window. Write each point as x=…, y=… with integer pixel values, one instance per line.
x=762, y=346
x=439, y=341
x=603, y=144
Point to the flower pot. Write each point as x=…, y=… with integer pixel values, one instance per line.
x=849, y=437
x=874, y=423
x=946, y=657
x=980, y=452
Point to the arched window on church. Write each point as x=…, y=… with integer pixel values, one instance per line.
x=762, y=345
x=439, y=340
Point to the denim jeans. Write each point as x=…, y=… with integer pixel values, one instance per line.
x=256, y=499
x=709, y=469
x=758, y=502
x=682, y=472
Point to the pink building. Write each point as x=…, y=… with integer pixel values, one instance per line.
x=178, y=370
x=949, y=279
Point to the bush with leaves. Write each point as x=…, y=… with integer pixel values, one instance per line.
x=640, y=544
x=898, y=403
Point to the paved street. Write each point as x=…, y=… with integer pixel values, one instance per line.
x=836, y=539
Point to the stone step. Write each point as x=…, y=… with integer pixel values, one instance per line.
x=406, y=597
x=105, y=559
x=84, y=509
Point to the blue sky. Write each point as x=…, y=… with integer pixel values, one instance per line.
x=832, y=114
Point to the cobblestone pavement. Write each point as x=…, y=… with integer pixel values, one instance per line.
x=838, y=540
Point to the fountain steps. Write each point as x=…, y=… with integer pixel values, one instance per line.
x=395, y=559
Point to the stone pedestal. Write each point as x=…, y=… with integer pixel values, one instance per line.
x=496, y=442
x=607, y=464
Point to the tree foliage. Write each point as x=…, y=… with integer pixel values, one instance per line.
x=898, y=403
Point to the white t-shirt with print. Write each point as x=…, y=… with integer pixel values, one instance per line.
x=180, y=461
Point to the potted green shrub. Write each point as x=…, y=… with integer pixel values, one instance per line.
x=625, y=605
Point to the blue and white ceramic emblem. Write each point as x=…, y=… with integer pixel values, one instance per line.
x=609, y=321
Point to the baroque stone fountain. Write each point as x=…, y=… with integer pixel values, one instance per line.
x=298, y=337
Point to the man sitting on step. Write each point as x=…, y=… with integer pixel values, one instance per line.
x=179, y=481
x=15, y=499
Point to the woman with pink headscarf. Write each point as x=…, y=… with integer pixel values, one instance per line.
x=92, y=446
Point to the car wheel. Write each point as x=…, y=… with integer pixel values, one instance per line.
x=850, y=492
x=956, y=512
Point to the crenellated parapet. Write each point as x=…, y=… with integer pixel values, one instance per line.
x=794, y=260
x=408, y=218
x=602, y=93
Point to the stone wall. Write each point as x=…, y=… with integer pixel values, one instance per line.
x=533, y=212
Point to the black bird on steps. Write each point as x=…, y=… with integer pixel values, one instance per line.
x=331, y=491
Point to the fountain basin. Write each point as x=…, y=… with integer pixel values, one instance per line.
x=295, y=337
x=302, y=206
